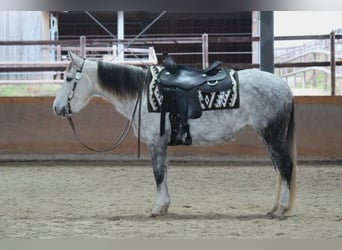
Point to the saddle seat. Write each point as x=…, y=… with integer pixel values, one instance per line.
x=186, y=78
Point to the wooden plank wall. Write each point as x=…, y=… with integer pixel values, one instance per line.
x=30, y=129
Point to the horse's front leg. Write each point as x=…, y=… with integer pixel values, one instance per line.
x=159, y=161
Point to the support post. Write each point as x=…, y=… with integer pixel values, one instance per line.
x=332, y=63
x=255, y=33
x=83, y=42
x=205, y=56
x=121, y=35
x=266, y=41
x=314, y=74
x=59, y=59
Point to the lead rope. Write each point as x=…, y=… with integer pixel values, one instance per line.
x=120, y=138
x=139, y=114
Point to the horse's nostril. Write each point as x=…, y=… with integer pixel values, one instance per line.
x=59, y=111
x=55, y=109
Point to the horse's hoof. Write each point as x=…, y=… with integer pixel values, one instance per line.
x=153, y=215
x=160, y=211
x=269, y=215
x=275, y=216
x=278, y=213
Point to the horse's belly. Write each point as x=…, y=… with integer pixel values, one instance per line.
x=213, y=131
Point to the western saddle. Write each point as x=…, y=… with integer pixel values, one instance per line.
x=179, y=86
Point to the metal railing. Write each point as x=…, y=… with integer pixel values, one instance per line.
x=141, y=52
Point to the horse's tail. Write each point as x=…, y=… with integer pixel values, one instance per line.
x=291, y=142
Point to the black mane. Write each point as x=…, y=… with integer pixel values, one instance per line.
x=119, y=79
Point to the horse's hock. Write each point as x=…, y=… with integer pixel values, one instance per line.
x=29, y=129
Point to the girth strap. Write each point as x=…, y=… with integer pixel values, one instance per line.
x=168, y=105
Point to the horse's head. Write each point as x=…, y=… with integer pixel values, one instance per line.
x=77, y=88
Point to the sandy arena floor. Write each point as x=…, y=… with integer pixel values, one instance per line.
x=87, y=202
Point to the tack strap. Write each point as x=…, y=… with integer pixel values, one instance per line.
x=118, y=141
x=78, y=76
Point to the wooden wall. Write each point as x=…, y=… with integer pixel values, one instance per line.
x=30, y=130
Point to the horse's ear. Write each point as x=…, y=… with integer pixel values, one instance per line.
x=72, y=56
x=75, y=59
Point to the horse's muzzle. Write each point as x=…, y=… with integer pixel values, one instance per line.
x=63, y=111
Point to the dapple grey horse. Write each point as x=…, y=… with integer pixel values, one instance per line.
x=266, y=105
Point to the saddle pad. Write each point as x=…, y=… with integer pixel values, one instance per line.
x=208, y=100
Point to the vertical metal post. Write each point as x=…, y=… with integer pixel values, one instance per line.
x=83, y=43
x=59, y=53
x=332, y=63
x=255, y=33
x=115, y=52
x=266, y=41
x=59, y=58
x=205, y=56
x=121, y=35
x=314, y=75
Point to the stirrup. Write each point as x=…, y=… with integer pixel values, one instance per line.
x=183, y=136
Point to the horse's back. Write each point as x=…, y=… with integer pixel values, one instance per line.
x=264, y=84
x=263, y=93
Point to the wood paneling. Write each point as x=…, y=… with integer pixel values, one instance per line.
x=29, y=127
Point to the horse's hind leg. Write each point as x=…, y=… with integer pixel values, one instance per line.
x=279, y=148
x=282, y=200
x=284, y=167
x=159, y=162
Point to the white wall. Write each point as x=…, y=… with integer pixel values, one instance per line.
x=23, y=25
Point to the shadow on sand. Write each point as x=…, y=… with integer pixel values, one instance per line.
x=174, y=216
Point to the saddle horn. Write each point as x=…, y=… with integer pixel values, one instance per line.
x=169, y=64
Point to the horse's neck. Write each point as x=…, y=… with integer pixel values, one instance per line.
x=123, y=105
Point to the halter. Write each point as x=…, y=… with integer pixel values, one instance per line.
x=126, y=128
x=78, y=77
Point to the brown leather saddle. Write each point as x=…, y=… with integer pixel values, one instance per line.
x=179, y=86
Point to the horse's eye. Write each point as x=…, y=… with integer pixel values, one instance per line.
x=69, y=78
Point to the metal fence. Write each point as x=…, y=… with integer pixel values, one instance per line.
x=294, y=64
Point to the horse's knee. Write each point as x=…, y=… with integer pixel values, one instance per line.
x=159, y=161
x=159, y=174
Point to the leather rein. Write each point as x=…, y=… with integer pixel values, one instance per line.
x=118, y=141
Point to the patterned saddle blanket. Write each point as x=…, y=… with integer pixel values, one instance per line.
x=208, y=100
